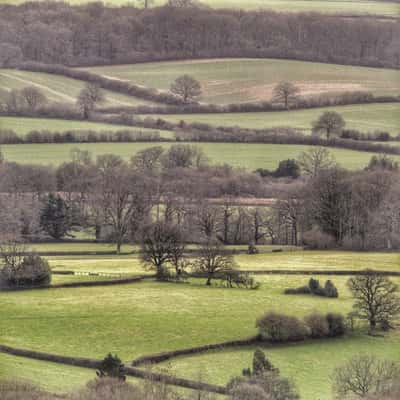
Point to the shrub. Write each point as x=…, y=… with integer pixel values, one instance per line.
x=33, y=271
x=336, y=324
x=109, y=389
x=318, y=325
x=315, y=288
x=281, y=328
x=330, y=289
x=299, y=290
x=10, y=390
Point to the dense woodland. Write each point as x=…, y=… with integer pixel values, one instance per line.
x=312, y=201
x=92, y=34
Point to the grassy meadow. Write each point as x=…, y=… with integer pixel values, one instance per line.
x=354, y=7
x=250, y=156
x=364, y=117
x=58, y=88
x=243, y=80
x=138, y=319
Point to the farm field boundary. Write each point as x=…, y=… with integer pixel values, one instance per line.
x=130, y=371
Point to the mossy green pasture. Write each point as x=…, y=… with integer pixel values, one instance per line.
x=363, y=117
x=249, y=156
x=243, y=80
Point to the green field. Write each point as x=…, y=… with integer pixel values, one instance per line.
x=287, y=260
x=250, y=156
x=23, y=126
x=58, y=88
x=364, y=117
x=354, y=7
x=134, y=320
x=243, y=80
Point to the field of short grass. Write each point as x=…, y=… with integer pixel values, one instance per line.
x=286, y=260
x=58, y=88
x=25, y=125
x=354, y=7
x=363, y=117
x=134, y=320
x=250, y=156
x=243, y=80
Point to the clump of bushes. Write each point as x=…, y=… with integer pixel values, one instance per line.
x=314, y=287
x=283, y=328
x=263, y=382
x=31, y=271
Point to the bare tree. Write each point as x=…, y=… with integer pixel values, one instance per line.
x=33, y=97
x=376, y=299
x=122, y=196
x=316, y=159
x=88, y=97
x=364, y=375
x=330, y=122
x=162, y=244
x=285, y=93
x=212, y=260
x=148, y=160
x=186, y=87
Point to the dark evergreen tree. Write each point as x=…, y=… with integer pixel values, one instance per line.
x=55, y=218
x=260, y=363
x=112, y=367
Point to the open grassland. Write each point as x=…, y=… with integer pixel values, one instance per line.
x=243, y=80
x=310, y=365
x=138, y=319
x=58, y=88
x=286, y=260
x=24, y=125
x=354, y=7
x=363, y=117
x=250, y=156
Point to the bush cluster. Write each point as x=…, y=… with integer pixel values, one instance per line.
x=33, y=271
x=283, y=328
x=315, y=288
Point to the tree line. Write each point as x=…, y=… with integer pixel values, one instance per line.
x=313, y=201
x=59, y=33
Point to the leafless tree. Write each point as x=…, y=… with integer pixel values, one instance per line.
x=162, y=244
x=122, y=196
x=315, y=160
x=186, y=87
x=148, y=160
x=330, y=122
x=33, y=97
x=285, y=93
x=376, y=298
x=364, y=375
x=88, y=97
x=213, y=260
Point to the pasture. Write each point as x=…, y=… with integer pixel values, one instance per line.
x=363, y=117
x=22, y=126
x=354, y=7
x=139, y=319
x=245, y=155
x=58, y=88
x=243, y=80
